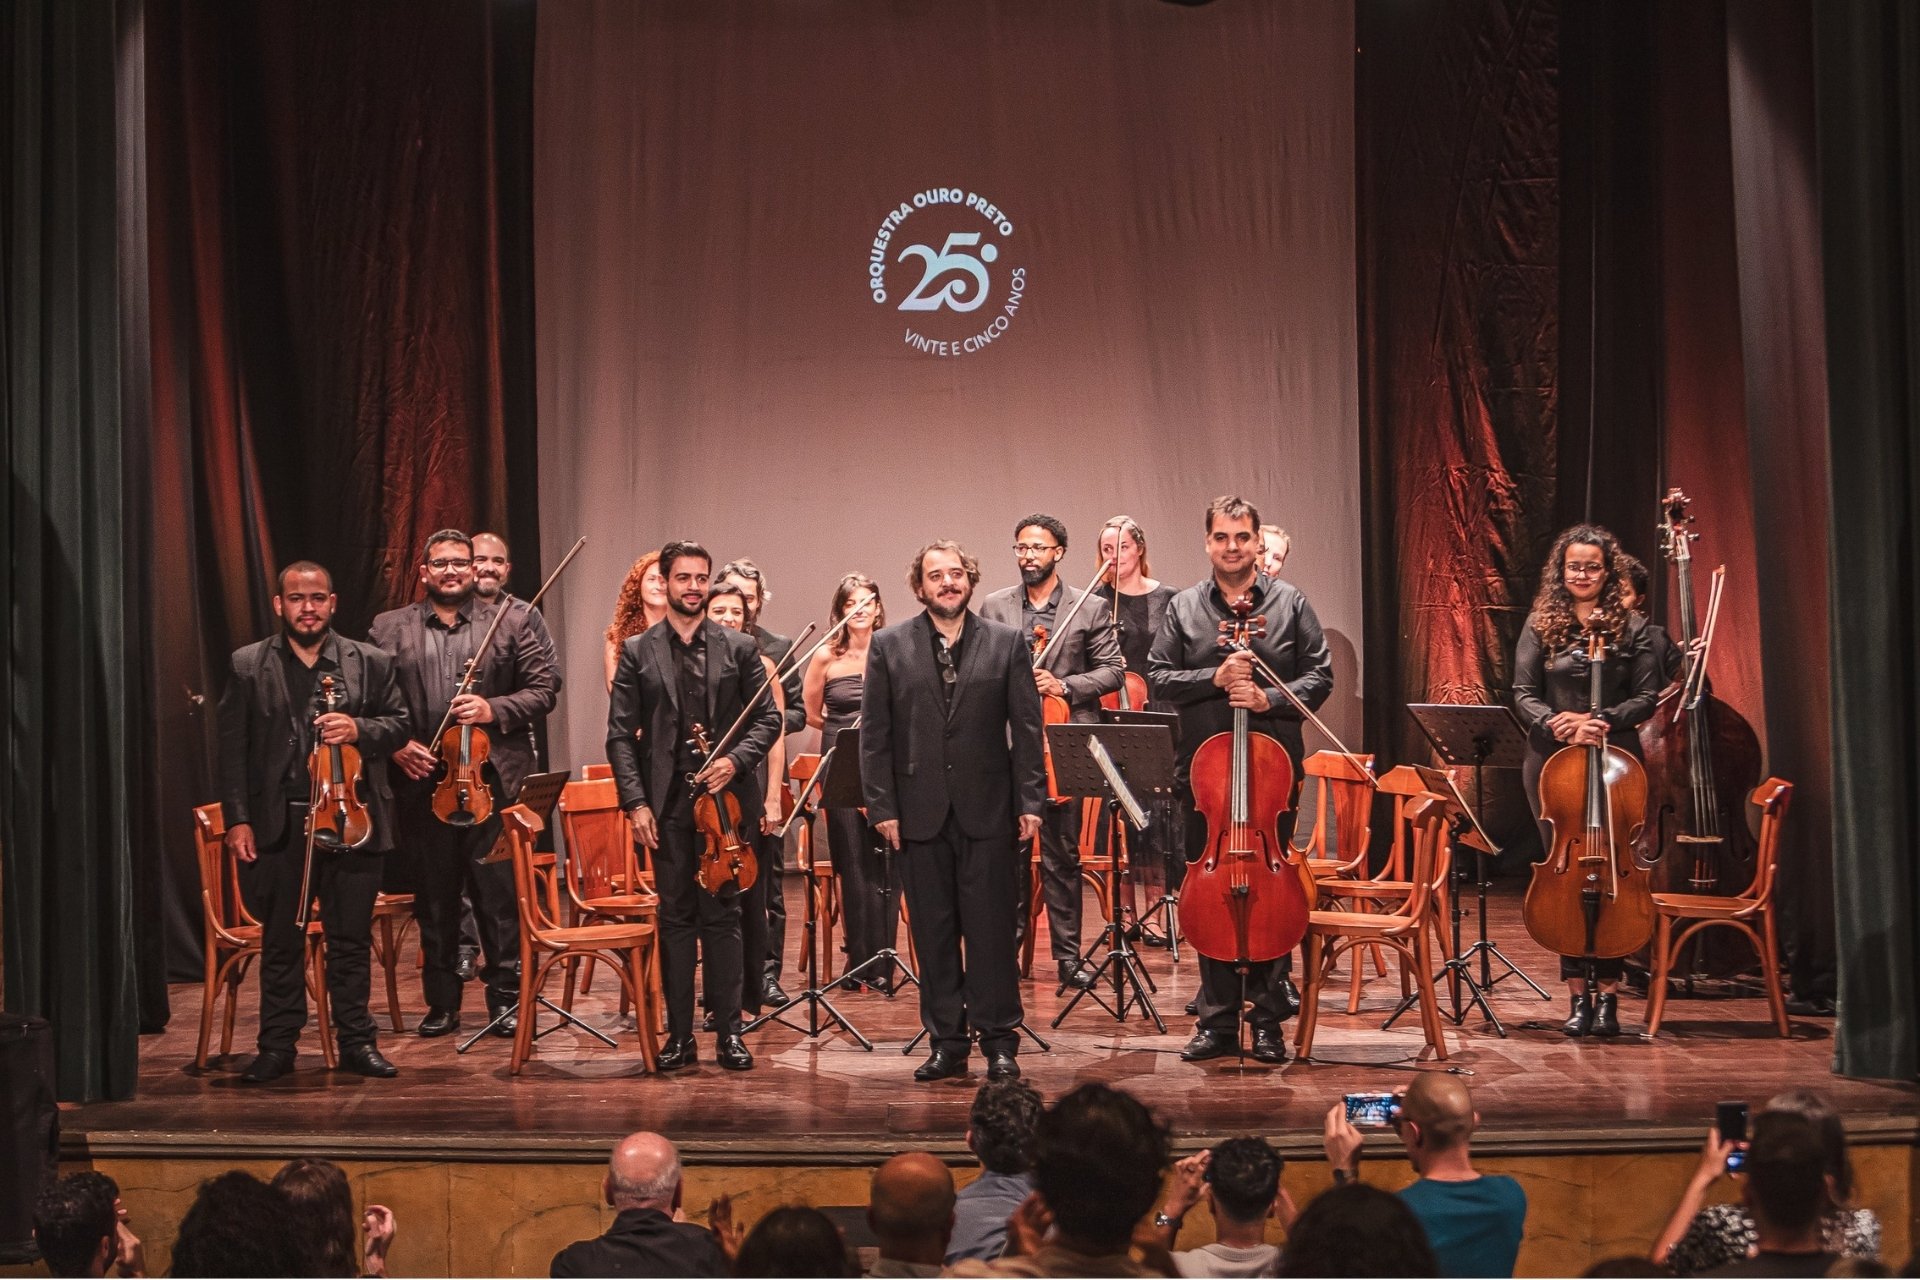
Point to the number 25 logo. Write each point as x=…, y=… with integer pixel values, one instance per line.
x=958, y=293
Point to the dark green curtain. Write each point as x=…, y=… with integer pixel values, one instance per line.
x=1867, y=106
x=68, y=668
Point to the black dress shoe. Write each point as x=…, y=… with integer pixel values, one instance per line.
x=1606, y=1014
x=1289, y=997
x=1810, y=1006
x=1209, y=1044
x=367, y=1060
x=1269, y=1045
x=463, y=968
x=1002, y=1066
x=1193, y=1007
x=771, y=996
x=1580, y=1017
x=505, y=1019
x=708, y=1022
x=438, y=1022
x=1076, y=975
x=676, y=1055
x=269, y=1064
x=941, y=1065
x=731, y=1053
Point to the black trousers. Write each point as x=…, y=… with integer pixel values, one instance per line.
x=1268, y=990
x=773, y=870
x=1570, y=966
x=447, y=860
x=860, y=861
x=346, y=883
x=963, y=892
x=694, y=924
x=1060, y=885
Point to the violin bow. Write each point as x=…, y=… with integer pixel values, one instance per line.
x=1695, y=685
x=473, y=666
x=1060, y=628
x=1360, y=766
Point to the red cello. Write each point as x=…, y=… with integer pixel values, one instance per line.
x=1246, y=900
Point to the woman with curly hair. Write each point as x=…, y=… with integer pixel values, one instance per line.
x=642, y=602
x=1580, y=595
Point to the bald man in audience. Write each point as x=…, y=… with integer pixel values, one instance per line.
x=643, y=1187
x=911, y=1212
x=1473, y=1220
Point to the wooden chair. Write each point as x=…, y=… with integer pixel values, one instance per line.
x=1405, y=930
x=817, y=875
x=1752, y=906
x=392, y=917
x=230, y=938
x=1342, y=830
x=1391, y=884
x=605, y=883
x=595, y=772
x=629, y=948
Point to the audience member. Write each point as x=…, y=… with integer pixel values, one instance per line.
x=1473, y=1221
x=1097, y=1156
x=1240, y=1179
x=1787, y=1192
x=1000, y=1135
x=1698, y=1239
x=323, y=1207
x=1357, y=1230
x=240, y=1226
x=1625, y=1266
x=910, y=1209
x=794, y=1241
x=643, y=1187
x=81, y=1229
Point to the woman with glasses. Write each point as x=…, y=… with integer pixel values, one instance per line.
x=1581, y=592
x=835, y=679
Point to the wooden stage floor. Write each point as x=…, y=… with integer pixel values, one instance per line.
x=825, y=1100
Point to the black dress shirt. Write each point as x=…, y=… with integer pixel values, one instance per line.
x=690, y=675
x=303, y=685
x=449, y=647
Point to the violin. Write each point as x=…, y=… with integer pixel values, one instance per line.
x=1590, y=898
x=335, y=809
x=727, y=863
x=1248, y=897
x=1702, y=761
x=462, y=797
x=1054, y=709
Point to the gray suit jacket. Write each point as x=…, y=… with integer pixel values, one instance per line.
x=1087, y=659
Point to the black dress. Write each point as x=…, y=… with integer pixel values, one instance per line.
x=1546, y=684
x=855, y=848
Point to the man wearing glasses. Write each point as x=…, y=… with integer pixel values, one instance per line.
x=517, y=683
x=1083, y=662
x=950, y=763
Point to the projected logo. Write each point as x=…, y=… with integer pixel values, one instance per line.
x=939, y=259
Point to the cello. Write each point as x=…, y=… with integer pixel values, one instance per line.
x=1247, y=899
x=1702, y=761
x=1589, y=899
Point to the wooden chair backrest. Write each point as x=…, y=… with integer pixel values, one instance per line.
x=1432, y=854
x=1772, y=797
x=1404, y=784
x=1342, y=805
x=538, y=915
x=220, y=899
x=595, y=772
x=599, y=843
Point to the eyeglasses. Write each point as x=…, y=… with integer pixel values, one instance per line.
x=944, y=653
x=1585, y=570
x=1034, y=548
x=441, y=565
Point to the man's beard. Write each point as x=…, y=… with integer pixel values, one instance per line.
x=449, y=598
x=1034, y=575
x=679, y=607
x=947, y=613
x=305, y=641
x=488, y=588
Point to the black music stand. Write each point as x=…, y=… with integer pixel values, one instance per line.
x=1123, y=765
x=1167, y=905
x=836, y=784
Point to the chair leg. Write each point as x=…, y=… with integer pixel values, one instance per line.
x=237, y=968
x=1770, y=969
x=529, y=1009
x=323, y=1008
x=1657, y=982
x=1422, y=964
x=1357, y=963
x=643, y=1015
x=1317, y=967
x=571, y=980
x=389, y=954
x=209, y=996
x=586, y=974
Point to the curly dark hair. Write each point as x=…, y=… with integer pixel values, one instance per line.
x=1357, y=1230
x=1245, y=1176
x=1097, y=1157
x=916, y=572
x=1050, y=523
x=239, y=1226
x=630, y=608
x=1552, y=614
x=70, y=1219
x=1002, y=1119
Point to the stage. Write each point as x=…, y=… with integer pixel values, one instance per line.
x=1569, y=1117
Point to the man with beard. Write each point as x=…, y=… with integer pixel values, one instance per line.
x=516, y=684
x=271, y=718
x=1082, y=664
x=950, y=763
x=763, y=925
x=1186, y=667
x=683, y=671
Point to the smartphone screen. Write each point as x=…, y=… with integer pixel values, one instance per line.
x=1730, y=1118
x=1371, y=1110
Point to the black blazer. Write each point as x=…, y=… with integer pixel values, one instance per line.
x=259, y=738
x=1086, y=660
x=644, y=1242
x=518, y=678
x=646, y=697
x=981, y=760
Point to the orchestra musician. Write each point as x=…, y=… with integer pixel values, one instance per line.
x=268, y=728
x=1187, y=668
x=831, y=689
x=1581, y=591
x=517, y=682
x=1669, y=661
x=679, y=673
x=951, y=766
x=1083, y=662
x=641, y=603
x=1276, y=544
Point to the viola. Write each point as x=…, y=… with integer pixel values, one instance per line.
x=727, y=863
x=1590, y=898
x=1702, y=761
x=462, y=797
x=335, y=807
x=1054, y=709
x=1248, y=897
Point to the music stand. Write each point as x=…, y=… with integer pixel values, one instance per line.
x=1167, y=905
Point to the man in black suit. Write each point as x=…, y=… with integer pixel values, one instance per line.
x=643, y=1186
x=271, y=718
x=1083, y=663
x=950, y=762
x=517, y=684
x=680, y=672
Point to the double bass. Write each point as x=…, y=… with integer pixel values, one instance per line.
x=1590, y=899
x=1247, y=899
x=1702, y=761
